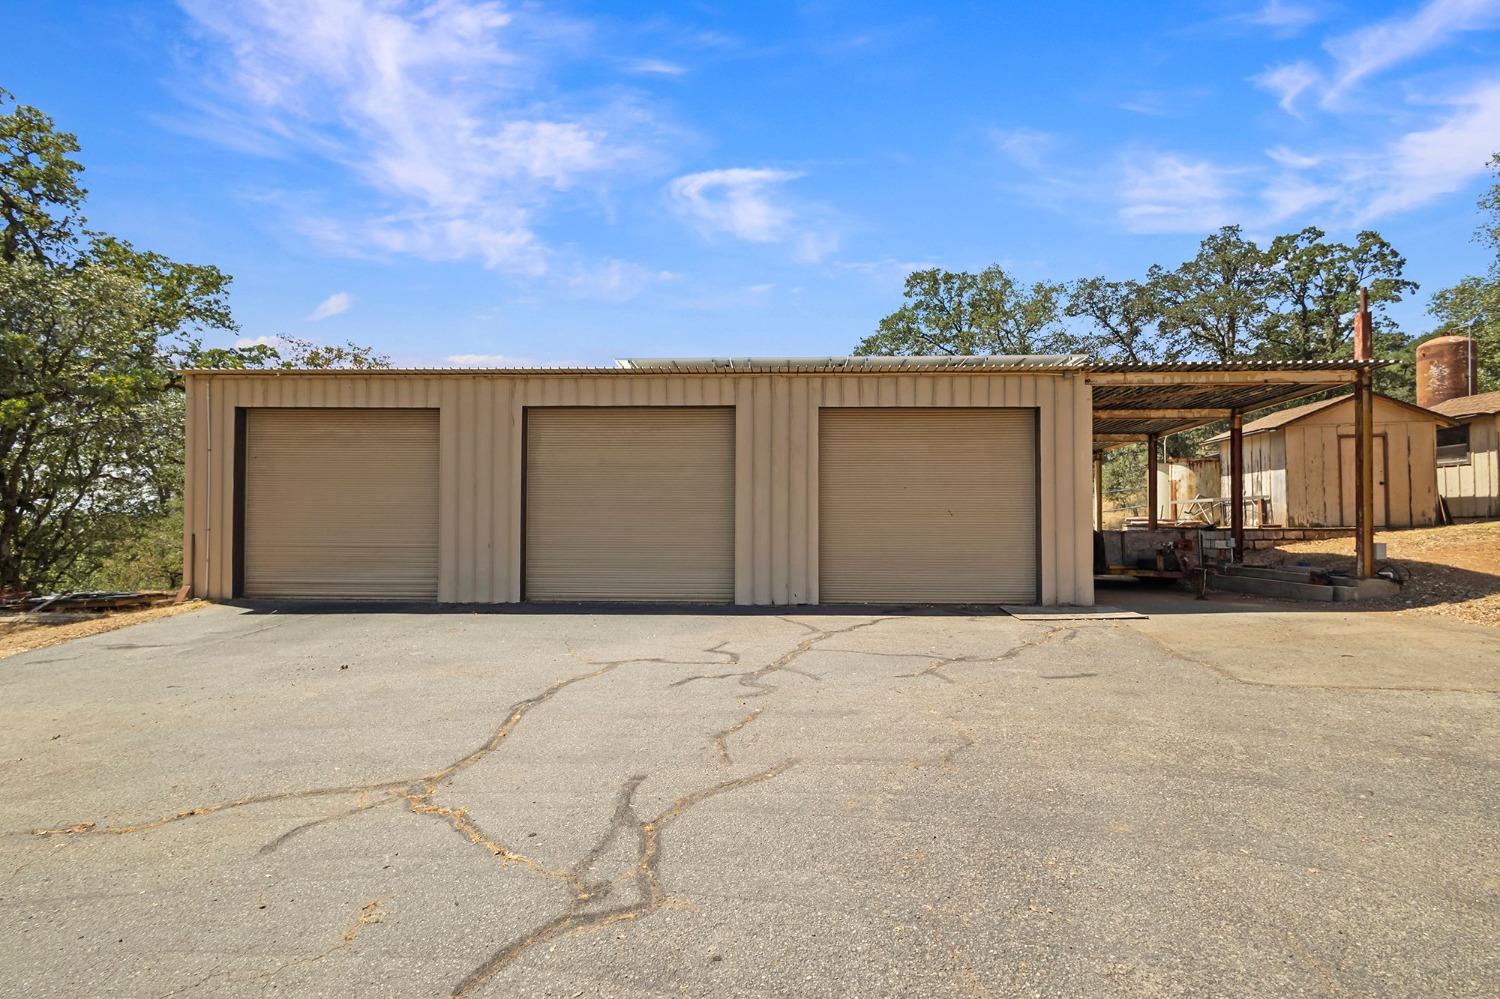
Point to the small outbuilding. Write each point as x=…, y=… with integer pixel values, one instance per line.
x=1299, y=464
x=1468, y=455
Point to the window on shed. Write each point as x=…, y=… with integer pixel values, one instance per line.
x=1453, y=445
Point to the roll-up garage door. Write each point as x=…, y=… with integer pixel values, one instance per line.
x=341, y=503
x=927, y=506
x=630, y=503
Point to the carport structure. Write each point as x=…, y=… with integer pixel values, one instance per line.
x=1142, y=403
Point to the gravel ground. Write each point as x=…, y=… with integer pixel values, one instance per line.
x=25, y=632
x=1455, y=570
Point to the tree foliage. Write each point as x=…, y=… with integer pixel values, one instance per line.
x=1124, y=316
x=91, y=332
x=1471, y=307
x=1213, y=304
x=955, y=312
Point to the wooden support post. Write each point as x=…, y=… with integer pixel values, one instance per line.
x=1099, y=492
x=1151, y=481
x=1364, y=476
x=1237, y=483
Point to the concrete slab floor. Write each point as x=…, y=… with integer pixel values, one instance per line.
x=254, y=802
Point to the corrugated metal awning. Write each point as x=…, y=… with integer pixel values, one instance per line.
x=1132, y=401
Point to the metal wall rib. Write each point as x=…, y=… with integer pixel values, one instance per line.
x=776, y=462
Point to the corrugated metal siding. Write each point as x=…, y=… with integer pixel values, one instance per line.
x=776, y=495
x=341, y=503
x=630, y=503
x=927, y=505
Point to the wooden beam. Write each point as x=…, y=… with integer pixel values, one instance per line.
x=1364, y=478
x=1099, y=492
x=1151, y=448
x=1237, y=484
x=1161, y=414
x=1336, y=377
x=1119, y=438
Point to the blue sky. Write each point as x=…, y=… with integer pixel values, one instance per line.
x=483, y=183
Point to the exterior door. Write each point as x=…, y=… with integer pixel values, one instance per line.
x=929, y=505
x=340, y=503
x=1347, y=480
x=630, y=503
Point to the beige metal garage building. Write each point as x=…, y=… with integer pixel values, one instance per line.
x=752, y=481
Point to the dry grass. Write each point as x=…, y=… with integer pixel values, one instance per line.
x=1455, y=570
x=24, y=632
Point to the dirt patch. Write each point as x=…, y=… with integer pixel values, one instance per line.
x=1454, y=570
x=24, y=632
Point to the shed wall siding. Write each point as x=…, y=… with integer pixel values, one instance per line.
x=1265, y=477
x=776, y=456
x=1473, y=490
x=1298, y=467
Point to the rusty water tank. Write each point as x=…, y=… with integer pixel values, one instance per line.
x=1447, y=368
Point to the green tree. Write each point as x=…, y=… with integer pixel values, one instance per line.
x=1313, y=291
x=957, y=312
x=88, y=330
x=39, y=191
x=91, y=330
x=1489, y=229
x=1472, y=306
x=1212, y=306
x=1123, y=316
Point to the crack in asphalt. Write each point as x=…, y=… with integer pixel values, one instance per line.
x=966, y=740
x=371, y=912
x=82, y=828
x=418, y=796
x=272, y=845
x=755, y=679
x=721, y=739
x=586, y=894
x=408, y=789
x=645, y=874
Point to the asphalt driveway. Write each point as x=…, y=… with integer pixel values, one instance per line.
x=271, y=802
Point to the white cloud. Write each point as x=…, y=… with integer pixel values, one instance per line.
x=487, y=361
x=1346, y=186
x=813, y=246
x=1288, y=82
x=1373, y=49
x=1428, y=163
x=1292, y=159
x=1165, y=103
x=748, y=203
x=741, y=201
x=1166, y=193
x=1027, y=147
x=615, y=280
x=428, y=107
x=655, y=67
x=334, y=304
x=1284, y=17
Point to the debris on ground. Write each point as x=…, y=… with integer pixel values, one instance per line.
x=97, y=600
x=1454, y=570
x=25, y=631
